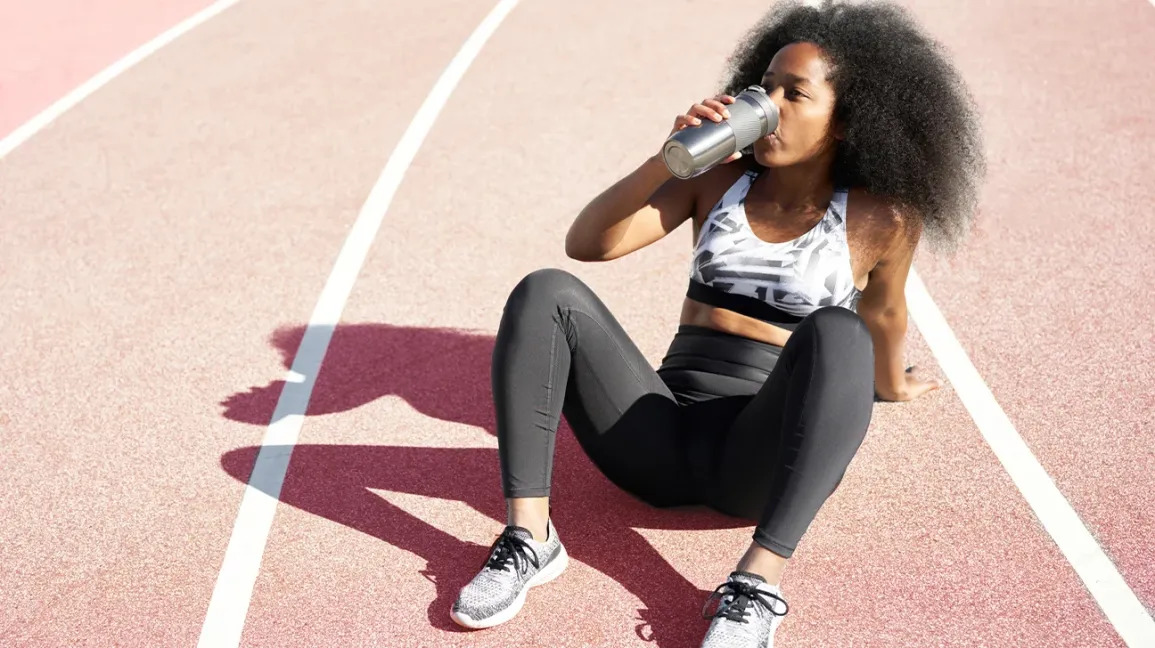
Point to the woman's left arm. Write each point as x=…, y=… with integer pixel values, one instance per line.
x=883, y=308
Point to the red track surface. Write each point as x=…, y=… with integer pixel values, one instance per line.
x=49, y=47
x=163, y=244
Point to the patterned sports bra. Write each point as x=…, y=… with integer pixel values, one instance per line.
x=776, y=282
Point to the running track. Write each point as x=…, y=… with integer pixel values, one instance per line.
x=164, y=243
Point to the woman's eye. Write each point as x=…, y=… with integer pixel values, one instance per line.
x=794, y=94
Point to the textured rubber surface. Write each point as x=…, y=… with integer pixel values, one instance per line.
x=163, y=244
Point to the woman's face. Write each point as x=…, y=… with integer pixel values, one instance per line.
x=796, y=81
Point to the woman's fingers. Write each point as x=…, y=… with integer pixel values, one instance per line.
x=707, y=112
x=713, y=109
x=717, y=106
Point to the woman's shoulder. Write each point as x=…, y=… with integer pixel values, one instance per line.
x=879, y=222
x=723, y=176
x=712, y=185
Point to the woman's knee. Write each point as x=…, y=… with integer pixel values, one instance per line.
x=836, y=320
x=548, y=292
x=833, y=323
x=839, y=332
x=546, y=286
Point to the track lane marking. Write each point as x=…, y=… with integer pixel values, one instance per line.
x=225, y=619
x=1106, y=585
x=102, y=78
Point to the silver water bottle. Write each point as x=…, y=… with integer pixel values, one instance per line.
x=697, y=149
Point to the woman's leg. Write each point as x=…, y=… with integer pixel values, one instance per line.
x=789, y=448
x=558, y=349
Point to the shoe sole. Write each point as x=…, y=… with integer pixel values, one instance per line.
x=551, y=571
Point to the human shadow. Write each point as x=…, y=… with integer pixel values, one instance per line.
x=444, y=374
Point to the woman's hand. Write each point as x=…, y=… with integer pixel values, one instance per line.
x=712, y=109
x=912, y=388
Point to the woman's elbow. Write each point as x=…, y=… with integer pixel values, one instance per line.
x=573, y=247
x=885, y=316
x=579, y=250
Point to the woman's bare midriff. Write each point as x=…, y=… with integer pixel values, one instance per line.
x=695, y=313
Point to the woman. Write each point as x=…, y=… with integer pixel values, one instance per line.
x=794, y=317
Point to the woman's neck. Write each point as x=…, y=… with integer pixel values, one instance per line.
x=799, y=187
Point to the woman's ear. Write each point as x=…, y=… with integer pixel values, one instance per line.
x=838, y=131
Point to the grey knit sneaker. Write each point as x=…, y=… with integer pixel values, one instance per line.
x=516, y=563
x=748, y=613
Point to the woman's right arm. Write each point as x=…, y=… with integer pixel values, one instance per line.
x=642, y=207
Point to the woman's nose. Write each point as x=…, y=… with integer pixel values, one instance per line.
x=778, y=97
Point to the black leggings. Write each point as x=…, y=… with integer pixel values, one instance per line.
x=747, y=428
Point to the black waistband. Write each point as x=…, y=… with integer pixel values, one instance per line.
x=698, y=348
x=749, y=306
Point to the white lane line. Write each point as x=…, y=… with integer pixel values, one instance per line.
x=1122, y=608
x=68, y=101
x=233, y=592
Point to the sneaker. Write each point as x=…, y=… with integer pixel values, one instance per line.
x=748, y=613
x=516, y=563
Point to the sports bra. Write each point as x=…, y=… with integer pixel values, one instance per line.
x=779, y=283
